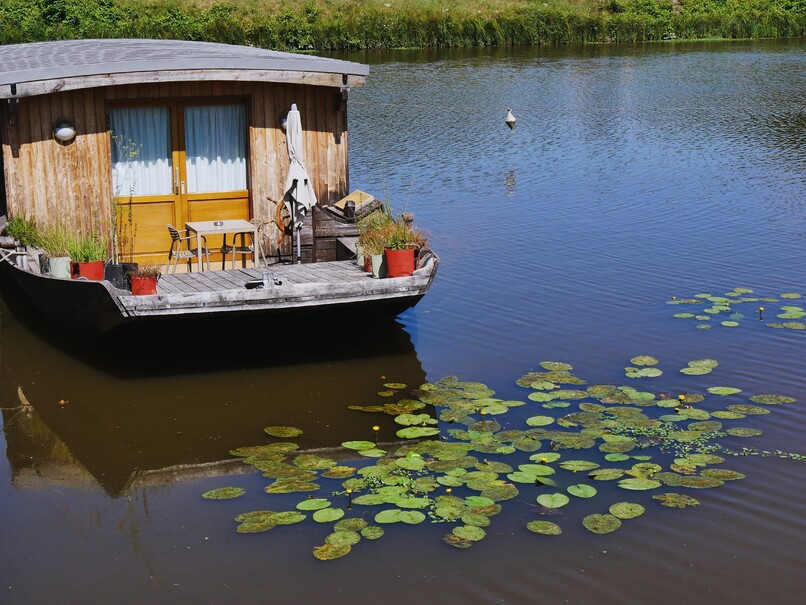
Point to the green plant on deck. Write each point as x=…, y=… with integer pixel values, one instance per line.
x=124, y=232
x=86, y=248
x=372, y=230
x=55, y=240
x=24, y=231
x=401, y=235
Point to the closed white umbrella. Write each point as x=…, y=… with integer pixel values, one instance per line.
x=299, y=195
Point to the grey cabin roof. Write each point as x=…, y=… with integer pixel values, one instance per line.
x=45, y=67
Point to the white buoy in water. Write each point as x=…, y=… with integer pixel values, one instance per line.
x=510, y=119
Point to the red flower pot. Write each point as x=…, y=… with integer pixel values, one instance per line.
x=399, y=263
x=93, y=270
x=143, y=286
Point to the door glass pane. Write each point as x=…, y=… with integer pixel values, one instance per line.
x=215, y=147
x=141, y=151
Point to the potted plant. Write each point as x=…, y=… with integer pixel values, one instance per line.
x=374, y=244
x=144, y=279
x=123, y=229
x=55, y=240
x=23, y=231
x=25, y=235
x=403, y=243
x=372, y=233
x=88, y=256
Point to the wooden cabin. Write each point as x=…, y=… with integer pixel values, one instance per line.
x=165, y=131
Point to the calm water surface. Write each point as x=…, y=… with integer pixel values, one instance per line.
x=635, y=174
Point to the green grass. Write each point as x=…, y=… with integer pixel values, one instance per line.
x=357, y=24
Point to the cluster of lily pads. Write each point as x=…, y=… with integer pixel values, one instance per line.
x=733, y=308
x=465, y=452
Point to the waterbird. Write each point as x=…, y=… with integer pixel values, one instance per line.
x=510, y=119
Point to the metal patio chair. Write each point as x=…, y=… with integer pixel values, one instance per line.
x=183, y=248
x=245, y=249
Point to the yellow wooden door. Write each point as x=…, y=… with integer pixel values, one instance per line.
x=173, y=163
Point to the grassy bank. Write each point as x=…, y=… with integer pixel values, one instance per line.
x=358, y=24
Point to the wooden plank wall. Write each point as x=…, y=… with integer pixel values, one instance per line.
x=47, y=180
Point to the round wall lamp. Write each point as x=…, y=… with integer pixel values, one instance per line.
x=64, y=130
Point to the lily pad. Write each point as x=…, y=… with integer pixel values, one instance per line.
x=283, y=431
x=626, y=510
x=413, y=502
x=546, y=457
x=358, y=445
x=224, y=493
x=545, y=528
x=415, y=419
x=767, y=399
x=673, y=500
x=328, y=552
x=373, y=453
x=350, y=524
x=606, y=474
x=638, y=484
x=415, y=432
x=372, y=532
x=339, y=472
x=456, y=541
x=581, y=490
x=328, y=515
x=343, y=538
x=743, y=432
x=723, y=390
x=539, y=420
x=601, y=524
x=313, y=462
x=313, y=504
x=469, y=532
x=644, y=360
x=556, y=366
x=578, y=465
x=555, y=500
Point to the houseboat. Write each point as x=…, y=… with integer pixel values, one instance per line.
x=239, y=150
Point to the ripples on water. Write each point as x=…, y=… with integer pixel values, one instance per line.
x=635, y=173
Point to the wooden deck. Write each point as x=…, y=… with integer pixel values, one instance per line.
x=219, y=281
x=312, y=285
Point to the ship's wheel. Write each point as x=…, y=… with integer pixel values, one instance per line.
x=282, y=220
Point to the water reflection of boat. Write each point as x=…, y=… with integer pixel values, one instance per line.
x=91, y=420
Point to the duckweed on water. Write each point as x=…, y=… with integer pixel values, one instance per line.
x=479, y=465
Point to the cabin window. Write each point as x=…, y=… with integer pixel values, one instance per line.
x=215, y=148
x=141, y=151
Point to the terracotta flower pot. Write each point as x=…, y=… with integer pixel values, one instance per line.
x=144, y=285
x=399, y=263
x=93, y=271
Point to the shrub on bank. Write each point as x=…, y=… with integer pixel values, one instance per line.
x=329, y=25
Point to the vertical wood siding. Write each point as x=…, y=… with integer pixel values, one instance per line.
x=48, y=180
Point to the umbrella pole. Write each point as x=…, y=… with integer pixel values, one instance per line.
x=294, y=228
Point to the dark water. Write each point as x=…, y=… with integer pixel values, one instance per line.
x=635, y=174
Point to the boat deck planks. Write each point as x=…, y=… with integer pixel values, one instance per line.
x=321, y=284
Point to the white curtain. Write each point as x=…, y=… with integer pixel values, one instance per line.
x=215, y=147
x=141, y=151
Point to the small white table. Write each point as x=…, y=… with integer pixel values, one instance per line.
x=239, y=225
